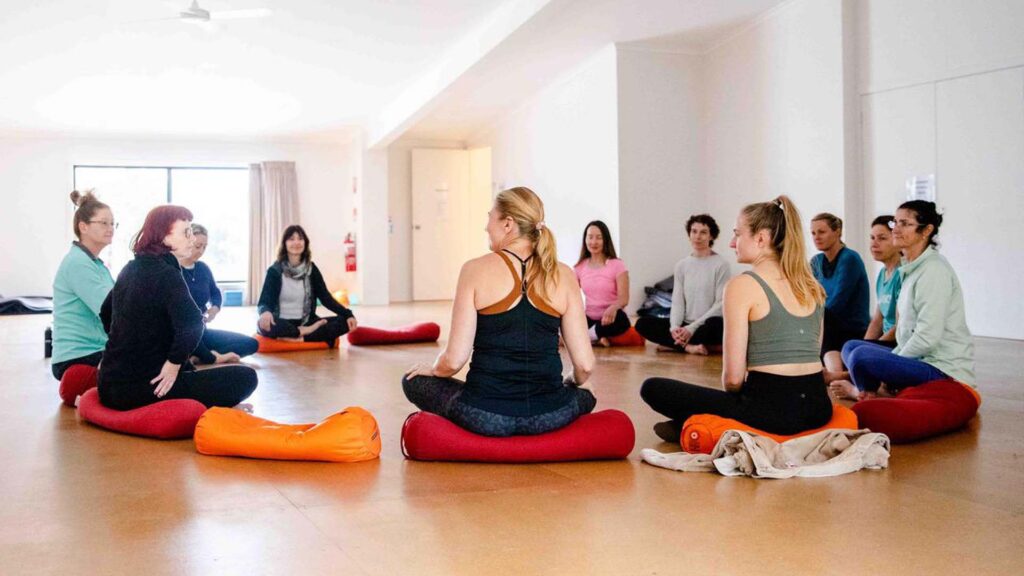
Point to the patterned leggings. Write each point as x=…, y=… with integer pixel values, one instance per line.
x=441, y=396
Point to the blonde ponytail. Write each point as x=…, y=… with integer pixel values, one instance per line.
x=526, y=209
x=782, y=220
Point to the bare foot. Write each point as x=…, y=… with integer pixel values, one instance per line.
x=604, y=342
x=833, y=376
x=698, y=349
x=307, y=330
x=228, y=358
x=843, y=389
x=244, y=407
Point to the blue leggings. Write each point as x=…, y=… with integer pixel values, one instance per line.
x=871, y=364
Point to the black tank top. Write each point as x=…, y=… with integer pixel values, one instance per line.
x=516, y=369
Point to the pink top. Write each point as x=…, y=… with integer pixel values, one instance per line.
x=599, y=285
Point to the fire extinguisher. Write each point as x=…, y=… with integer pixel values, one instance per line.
x=350, y=253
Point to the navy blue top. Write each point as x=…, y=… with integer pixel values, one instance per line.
x=847, y=290
x=202, y=286
x=516, y=369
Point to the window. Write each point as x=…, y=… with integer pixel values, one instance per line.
x=217, y=197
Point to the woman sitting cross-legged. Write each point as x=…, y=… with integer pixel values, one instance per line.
x=605, y=282
x=154, y=325
x=217, y=346
x=932, y=338
x=290, y=292
x=771, y=368
x=695, y=323
x=509, y=307
x=81, y=285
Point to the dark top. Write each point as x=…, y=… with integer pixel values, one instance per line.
x=270, y=295
x=202, y=286
x=150, y=318
x=847, y=290
x=516, y=369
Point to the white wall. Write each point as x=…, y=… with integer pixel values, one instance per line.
x=563, y=144
x=400, y=213
x=36, y=177
x=943, y=93
x=660, y=174
x=773, y=118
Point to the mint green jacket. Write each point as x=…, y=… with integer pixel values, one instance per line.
x=932, y=325
x=81, y=285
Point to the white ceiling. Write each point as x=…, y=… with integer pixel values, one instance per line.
x=314, y=66
x=562, y=36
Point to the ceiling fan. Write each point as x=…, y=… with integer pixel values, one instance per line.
x=195, y=13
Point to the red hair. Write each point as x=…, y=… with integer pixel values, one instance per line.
x=158, y=224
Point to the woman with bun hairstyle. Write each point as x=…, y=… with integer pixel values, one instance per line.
x=154, y=326
x=80, y=286
x=932, y=338
x=771, y=367
x=291, y=289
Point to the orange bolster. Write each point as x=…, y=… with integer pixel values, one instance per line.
x=348, y=436
x=628, y=338
x=702, y=431
x=273, y=346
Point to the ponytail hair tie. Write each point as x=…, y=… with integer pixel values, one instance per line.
x=540, y=225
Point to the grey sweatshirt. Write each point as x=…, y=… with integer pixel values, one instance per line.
x=697, y=294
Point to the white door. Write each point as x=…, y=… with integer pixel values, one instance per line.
x=440, y=208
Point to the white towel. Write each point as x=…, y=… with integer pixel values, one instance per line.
x=741, y=453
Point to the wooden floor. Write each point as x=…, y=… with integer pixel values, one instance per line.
x=79, y=500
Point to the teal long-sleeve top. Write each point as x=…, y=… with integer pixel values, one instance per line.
x=79, y=288
x=847, y=290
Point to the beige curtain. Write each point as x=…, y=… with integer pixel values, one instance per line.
x=273, y=206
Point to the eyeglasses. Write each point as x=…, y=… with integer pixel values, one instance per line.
x=105, y=223
x=893, y=224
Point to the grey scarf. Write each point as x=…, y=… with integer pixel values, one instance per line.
x=301, y=272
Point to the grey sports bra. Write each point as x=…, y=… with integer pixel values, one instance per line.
x=781, y=337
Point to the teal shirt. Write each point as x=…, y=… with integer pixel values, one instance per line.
x=81, y=285
x=933, y=324
x=888, y=294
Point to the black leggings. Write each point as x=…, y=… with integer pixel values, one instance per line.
x=221, y=386
x=618, y=326
x=657, y=330
x=837, y=334
x=776, y=404
x=441, y=396
x=59, y=368
x=223, y=342
x=329, y=332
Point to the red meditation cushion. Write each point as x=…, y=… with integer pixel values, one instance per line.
x=920, y=412
x=76, y=380
x=702, y=431
x=348, y=436
x=273, y=345
x=165, y=419
x=628, y=338
x=604, y=435
x=421, y=332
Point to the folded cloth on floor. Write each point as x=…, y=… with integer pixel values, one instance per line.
x=741, y=453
